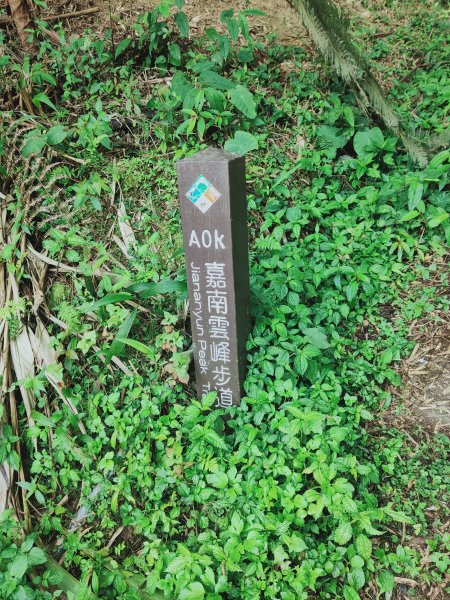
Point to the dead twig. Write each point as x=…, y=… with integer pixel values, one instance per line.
x=68, y=15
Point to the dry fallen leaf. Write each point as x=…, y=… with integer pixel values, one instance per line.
x=126, y=230
x=22, y=360
x=5, y=484
x=44, y=353
x=22, y=20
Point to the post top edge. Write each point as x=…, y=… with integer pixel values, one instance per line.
x=211, y=154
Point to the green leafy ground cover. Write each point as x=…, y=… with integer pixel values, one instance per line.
x=303, y=491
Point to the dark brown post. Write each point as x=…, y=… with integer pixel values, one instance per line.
x=214, y=217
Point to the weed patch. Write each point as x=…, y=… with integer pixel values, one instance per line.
x=134, y=486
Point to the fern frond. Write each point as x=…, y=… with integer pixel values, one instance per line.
x=329, y=32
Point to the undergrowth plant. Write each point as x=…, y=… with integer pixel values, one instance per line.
x=133, y=485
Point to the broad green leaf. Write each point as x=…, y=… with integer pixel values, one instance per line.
x=415, y=193
x=237, y=523
x=293, y=214
x=363, y=546
x=357, y=562
x=122, y=46
x=177, y=564
x=301, y=363
x=182, y=23
x=180, y=84
x=174, y=54
x=349, y=116
x=409, y=216
x=387, y=357
x=147, y=290
x=56, y=135
x=350, y=593
x=316, y=337
x=343, y=533
x=194, y=591
x=296, y=544
x=368, y=141
x=72, y=256
x=19, y=566
x=356, y=578
x=215, y=440
x=164, y=8
x=215, y=98
x=338, y=434
x=40, y=498
x=224, y=46
x=233, y=29
x=280, y=557
x=349, y=505
x=218, y=480
x=398, y=516
x=351, y=290
x=245, y=55
x=42, y=419
x=42, y=98
x=116, y=347
x=244, y=101
x=436, y=221
x=386, y=581
x=138, y=346
x=226, y=14
x=33, y=145
x=330, y=137
x=241, y=143
x=68, y=584
x=108, y=299
x=216, y=81
x=254, y=12
x=36, y=556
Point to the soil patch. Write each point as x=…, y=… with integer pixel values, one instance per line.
x=281, y=19
x=427, y=374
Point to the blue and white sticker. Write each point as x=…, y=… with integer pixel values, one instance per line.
x=203, y=194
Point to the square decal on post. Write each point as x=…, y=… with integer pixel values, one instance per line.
x=203, y=194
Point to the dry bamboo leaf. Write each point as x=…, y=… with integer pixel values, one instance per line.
x=5, y=484
x=126, y=230
x=22, y=20
x=22, y=359
x=2, y=374
x=37, y=271
x=43, y=351
x=84, y=509
x=52, y=36
x=45, y=356
x=22, y=355
x=121, y=245
x=114, y=536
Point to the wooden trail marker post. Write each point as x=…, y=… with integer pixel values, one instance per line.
x=214, y=218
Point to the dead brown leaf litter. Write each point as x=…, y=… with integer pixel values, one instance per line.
x=426, y=372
